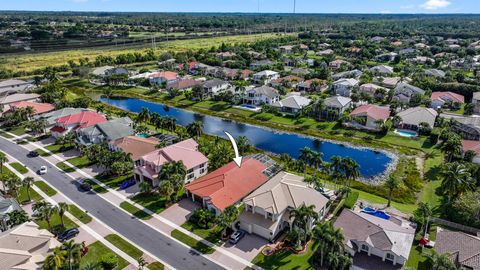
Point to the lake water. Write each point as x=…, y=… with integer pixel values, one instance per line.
x=372, y=163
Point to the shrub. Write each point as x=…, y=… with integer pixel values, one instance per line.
x=433, y=138
x=109, y=261
x=351, y=199
x=203, y=218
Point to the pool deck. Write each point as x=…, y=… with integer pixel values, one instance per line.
x=256, y=109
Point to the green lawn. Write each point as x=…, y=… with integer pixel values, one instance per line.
x=55, y=221
x=191, y=242
x=79, y=214
x=432, y=172
x=54, y=148
x=138, y=213
x=95, y=253
x=212, y=235
x=66, y=168
x=406, y=208
x=124, y=246
x=418, y=256
x=23, y=197
x=96, y=187
x=80, y=162
x=19, y=167
x=154, y=202
x=43, y=153
x=5, y=135
x=20, y=130
x=286, y=260
x=113, y=181
x=45, y=188
x=156, y=266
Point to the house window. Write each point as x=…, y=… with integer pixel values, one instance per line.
x=189, y=171
x=202, y=165
x=389, y=257
x=190, y=176
x=202, y=171
x=269, y=215
x=364, y=248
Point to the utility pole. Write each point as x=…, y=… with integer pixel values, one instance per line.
x=294, y=6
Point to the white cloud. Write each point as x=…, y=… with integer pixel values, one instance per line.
x=435, y=4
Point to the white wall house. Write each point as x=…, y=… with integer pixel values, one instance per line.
x=265, y=77
x=261, y=95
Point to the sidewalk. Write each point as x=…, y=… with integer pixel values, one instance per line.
x=221, y=256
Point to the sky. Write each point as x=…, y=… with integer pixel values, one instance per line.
x=266, y=6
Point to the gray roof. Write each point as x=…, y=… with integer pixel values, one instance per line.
x=337, y=101
x=407, y=89
x=463, y=249
x=285, y=190
x=417, y=115
x=382, y=69
x=347, y=74
x=293, y=101
x=266, y=91
x=18, y=97
x=435, y=72
x=347, y=82
x=54, y=115
x=214, y=83
x=8, y=205
x=392, y=235
x=112, y=129
x=15, y=86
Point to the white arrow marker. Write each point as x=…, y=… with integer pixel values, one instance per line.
x=237, y=158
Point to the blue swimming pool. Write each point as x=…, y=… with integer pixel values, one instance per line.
x=377, y=213
x=406, y=133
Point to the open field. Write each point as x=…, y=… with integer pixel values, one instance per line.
x=30, y=62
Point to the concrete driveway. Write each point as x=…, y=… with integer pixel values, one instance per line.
x=178, y=213
x=248, y=247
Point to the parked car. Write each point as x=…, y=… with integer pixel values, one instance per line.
x=68, y=234
x=32, y=154
x=43, y=170
x=84, y=186
x=236, y=237
x=127, y=183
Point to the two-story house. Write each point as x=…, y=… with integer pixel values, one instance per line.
x=215, y=86
x=344, y=87
x=163, y=77
x=105, y=131
x=76, y=122
x=261, y=95
x=333, y=107
x=148, y=166
x=265, y=77
x=404, y=92
x=267, y=209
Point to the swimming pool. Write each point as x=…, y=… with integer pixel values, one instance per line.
x=377, y=213
x=406, y=133
x=248, y=106
x=142, y=135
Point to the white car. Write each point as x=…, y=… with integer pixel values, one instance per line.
x=43, y=170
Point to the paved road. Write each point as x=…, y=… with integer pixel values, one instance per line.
x=161, y=246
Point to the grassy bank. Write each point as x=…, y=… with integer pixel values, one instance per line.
x=191, y=242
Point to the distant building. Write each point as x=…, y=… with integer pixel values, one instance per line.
x=344, y=87
x=15, y=86
x=292, y=104
x=261, y=95
x=265, y=77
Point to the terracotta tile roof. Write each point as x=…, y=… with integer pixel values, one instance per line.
x=38, y=108
x=58, y=129
x=185, y=151
x=464, y=249
x=183, y=84
x=168, y=75
x=83, y=119
x=471, y=145
x=373, y=111
x=229, y=184
x=444, y=96
x=136, y=146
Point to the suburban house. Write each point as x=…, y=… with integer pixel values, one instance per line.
x=440, y=98
x=404, y=92
x=228, y=185
x=26, y=246
x=389, y=82
x=355, y=73
x=333, y=107
x=325, y=52
x=344, y=87
x=261, y=95
x=292, y=104
x=37, y=108
x=312, y=85
x=215, y=86
x=373, y=239
x=368, y=116
x=435, y=73
x=6, y=101
x=267, y=209
x=52, y=116
x=386, y=57
x=261, y=63
x=105, y=131
x=372, y=89
x=101, y=71
x=412, y=117
x=288, y=81
x=381, y=70
x=149, y=165
x=468, y=127
x=7, y=205
x=265, y=77
x=15, y=86
x=476, y=102
x=134, y=145
x=471, y=145
x=183, y=84
x=462, y=249
x=336, y=64
x=163, y=77
x=76, y=122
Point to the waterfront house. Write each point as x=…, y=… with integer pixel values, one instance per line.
x=215, y=86
x=6, y=101
x=372, y=240
x=134, y=145
x=267, y=209
x=463, y=249
x=404, y=92
x=52, y=116
x=37, y=108
x=333, y=107
x=439, y=99
x=227, y=185
x=26, y=246
x=265, y=77
x=261, y=95
x=149, y=165
x=183, y=84
x=292, y=104
x=162, y=77
x=411, y=118
x=76, y=122
x=105, y=131
x=15, y=86
x=344, y=87
x=369, y=116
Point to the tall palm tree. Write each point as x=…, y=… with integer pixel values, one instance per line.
x=456, y=180
x=195, y=129
x=3, y=159
x=27, y=182
x=55, y=260
x=351, y=169
x=452, y=147
x=144, y=115
x=243, y=144
x=61, y=209
x=303, y=217
x=13, y=184
x=17, y=217
x=46, y=213
x=306, y=155
x=73, y=253
x=141, y=263
x=227, y=217
x=392, y=183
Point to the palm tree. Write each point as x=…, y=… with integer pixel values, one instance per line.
x=55, y=260
x=27, y=182
x=73, y=253
x=351, y=169
x=3, y=159
x=227, y=217
x=303, y=217
x=316, y=160
x=306, y=155
x=452, y=147
x=166, y=189
x=243, y=144
x=145, y=187
x=392, y=183
x=456, y=180
x=46, y=213
x=92, y=266
x=195, y=129
x=17, y=217
x=141, y=263
x=144, y=115
x=13, y=184
x=61, y=209
x=440, y=262
x=422, y=213
x=322, y=234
